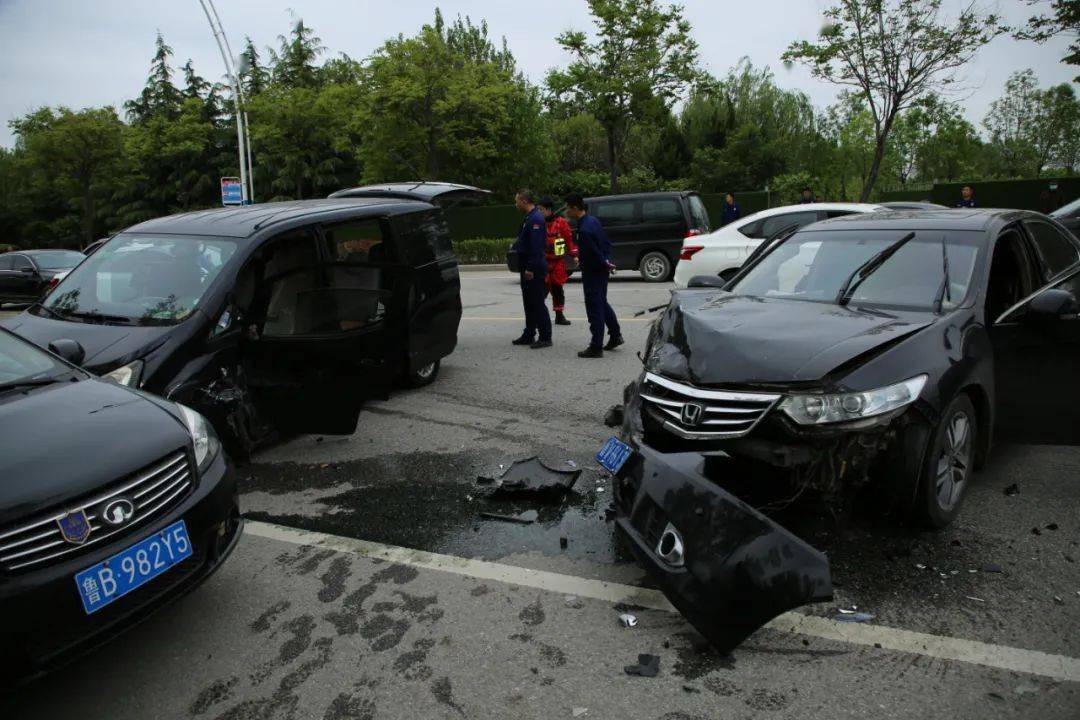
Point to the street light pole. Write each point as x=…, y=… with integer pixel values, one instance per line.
x=247, y=186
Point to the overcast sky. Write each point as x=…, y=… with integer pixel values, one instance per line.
x=79, y=53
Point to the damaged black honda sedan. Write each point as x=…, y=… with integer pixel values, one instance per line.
x=876, y=355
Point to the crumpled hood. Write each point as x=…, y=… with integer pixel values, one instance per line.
x=105, y=345
x=66, y=440
x=717, y=338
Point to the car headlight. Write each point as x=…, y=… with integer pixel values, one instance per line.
x=823, y=409
x=129, y=374
x=203, y=437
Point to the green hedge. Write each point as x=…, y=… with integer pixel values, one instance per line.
x=482, y=251
x=1043, y=195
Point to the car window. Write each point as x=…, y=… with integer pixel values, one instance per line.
x=698, y=214
x=19, y=360
x=772, y=225
x=666, y=210
x=289, y=270
x=21, y=262
x=356, y=288
x=6, y=261
x=142, y=279
x=814, y=265
x=613, y=213
x=359, y=241
x=423, y=237
x=837, y=213
x=1067, y=211
x=58, y=260
x=1057, y=251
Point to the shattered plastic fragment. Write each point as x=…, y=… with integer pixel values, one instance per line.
x=1052, y=526
x=579, y=711
x=920, y=566
x=972, y=597
x=1013, y=489
x=859, y=617
x=573, y=601
x=532, y=477
x=648, y=666
x=628, y=620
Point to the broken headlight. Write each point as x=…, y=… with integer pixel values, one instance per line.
x=822, y=409
x=129, y=374
x=203, y=437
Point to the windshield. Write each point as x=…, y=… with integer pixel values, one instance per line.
x=58, y=259
x=21, y=362
x=1067, y=210
x=141, y=280
x=814, y=266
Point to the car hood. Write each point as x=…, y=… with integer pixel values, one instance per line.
x=717, y=338
x=67, y=440
x=106, y=346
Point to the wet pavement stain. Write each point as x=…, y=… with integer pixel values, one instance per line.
x=333, y=579
x=301, y=629
x=553, y=656
x=311, y=564
x=766, y=700
x=346, y=621
x=411, y=665
x=696, y=658
x=384, y=632
x=269, y=616
x=416, y=605
x=720, y=686
x=217, y=692
x=480, y=590
x=347, y=706
x=283, y=702
x=533, y=614
x=444, y=693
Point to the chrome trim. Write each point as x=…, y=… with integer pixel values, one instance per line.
x=668, y=411
x=169, y=479
x=697, y=392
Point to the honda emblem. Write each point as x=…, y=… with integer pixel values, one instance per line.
x=692, y=414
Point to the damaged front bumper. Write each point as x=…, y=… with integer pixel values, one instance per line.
x=725, y=566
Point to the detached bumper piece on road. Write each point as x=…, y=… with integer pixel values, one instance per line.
x=725, y=566
x=43, y=620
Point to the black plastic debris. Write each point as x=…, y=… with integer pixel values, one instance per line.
x=1052, y=526
x=1013, y=489
x=614, y=416
x=1036, y=531
x=564, y=542
x=525, y=518
x=533, y=477
x=992, y=568
x=648, y=666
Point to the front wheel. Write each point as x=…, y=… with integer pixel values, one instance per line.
x=655, y=267
x=949, y=465
x=424, y=376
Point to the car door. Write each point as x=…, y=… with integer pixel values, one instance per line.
x=621, y=218
x=26, y=283
x=725, y=566
x=663, y=226
x=1036, y=347
x=317, y=342
x=7, y=277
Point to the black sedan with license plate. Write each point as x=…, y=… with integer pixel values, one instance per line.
x=112, y=503
x=874, y=358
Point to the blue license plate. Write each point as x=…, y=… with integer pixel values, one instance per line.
x=614, y=454
x=114, y=578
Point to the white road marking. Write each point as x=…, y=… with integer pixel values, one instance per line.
x=1058, y=667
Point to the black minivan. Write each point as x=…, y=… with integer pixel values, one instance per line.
x=647, y=229
x=281, y=316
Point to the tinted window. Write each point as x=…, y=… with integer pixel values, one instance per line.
x=698, y=214
x=612, y=213
x=356, y=242
x=20, y=262
x=1067, y=211
x=661, y=211
x=59, y=260
x=1057, y=251
x=5, y=262
x=288, y=266
x=21, y=361
x=772, y=225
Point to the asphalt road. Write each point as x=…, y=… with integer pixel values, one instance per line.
x=368, y=586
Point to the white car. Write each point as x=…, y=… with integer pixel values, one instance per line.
x=723, y=251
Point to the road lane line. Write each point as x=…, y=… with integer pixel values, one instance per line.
x=1058, y=667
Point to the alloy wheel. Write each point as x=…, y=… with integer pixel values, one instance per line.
x=655, y=268
x=954, y=461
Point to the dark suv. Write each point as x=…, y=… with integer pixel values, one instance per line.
x=647, y=229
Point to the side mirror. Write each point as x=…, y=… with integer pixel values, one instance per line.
x=1056, y=302
x=710, y=281
x=69, y=350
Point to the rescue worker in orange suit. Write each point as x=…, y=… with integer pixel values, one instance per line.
x=560, y=246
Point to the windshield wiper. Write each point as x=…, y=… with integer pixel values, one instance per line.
x=54, y=313
x=35, y=382
x=944, y=291
x=867, y=268
x=93, y=316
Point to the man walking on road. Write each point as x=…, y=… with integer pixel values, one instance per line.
x=529, y=245
x=594, y=252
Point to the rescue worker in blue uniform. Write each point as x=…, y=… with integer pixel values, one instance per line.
x=594, y=259
x=731, y=211
x=530, y=245
x=967, y=197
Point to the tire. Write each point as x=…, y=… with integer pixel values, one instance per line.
x=655, y=266
x=949, y=464
x=424, y=376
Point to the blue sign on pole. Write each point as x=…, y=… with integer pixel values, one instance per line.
x=232, y=192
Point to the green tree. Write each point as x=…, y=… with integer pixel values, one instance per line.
x=159, y=96
x=1031, y=128
x=894, y=52
x=294, y=63
x=253, y=77
x=642, y=60
x=1063, y=19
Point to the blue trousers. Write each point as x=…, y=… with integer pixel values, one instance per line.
x=597, y=308
x=537, y=318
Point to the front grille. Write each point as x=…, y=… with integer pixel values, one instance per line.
x=697, y=414
x=152, y=491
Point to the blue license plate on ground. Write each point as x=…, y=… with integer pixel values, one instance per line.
x=128, y=569
x=614, y=454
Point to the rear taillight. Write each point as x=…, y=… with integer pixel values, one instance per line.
x=692, y=232
x=688, y=251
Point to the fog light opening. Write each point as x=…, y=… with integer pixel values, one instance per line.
x=670, y=547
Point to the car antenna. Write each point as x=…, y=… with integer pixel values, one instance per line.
x=416, y=173
x=944, y=291
x=863, y=271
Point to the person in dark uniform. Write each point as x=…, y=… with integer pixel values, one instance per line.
x=732, y=211
x=530, y=243
x=594, y=258
x=967, y=197
x=807, y=196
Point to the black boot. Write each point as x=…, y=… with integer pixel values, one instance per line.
x=591, y=352
x=560, y=319
x=523, y=340
x=541, y=344
x=614, y=342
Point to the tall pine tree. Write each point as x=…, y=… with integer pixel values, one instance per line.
x=159, y=97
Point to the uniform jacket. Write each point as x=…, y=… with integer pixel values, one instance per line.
x=530, y=243
x=731, y=213
x=560, y=245
x=594, y=247
x=966, y=203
